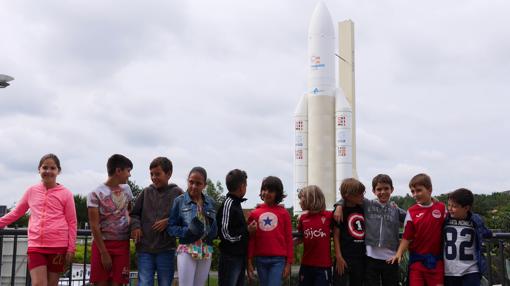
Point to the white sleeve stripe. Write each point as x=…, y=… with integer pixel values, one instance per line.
x=408, y=218
x=224, y=223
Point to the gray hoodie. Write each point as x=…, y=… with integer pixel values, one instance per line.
x=152, y=205
x=382, y=223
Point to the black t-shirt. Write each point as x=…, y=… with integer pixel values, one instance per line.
x=352, y=232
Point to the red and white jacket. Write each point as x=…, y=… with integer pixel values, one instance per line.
x=52, y=217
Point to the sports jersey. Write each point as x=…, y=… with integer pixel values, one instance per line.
x=459, y=247
x=352, y=232
x=316, y=230
x=423, y=227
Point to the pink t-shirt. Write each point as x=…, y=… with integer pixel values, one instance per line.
x=316, y=230
x=113, y=210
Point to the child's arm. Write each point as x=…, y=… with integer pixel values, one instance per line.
x=174, y=228
x=340, y=263
x=338, y=208
x=72, y=225
x=20, y=209
x=136, y=218
x=404, y=245
x=290, y=245
x=251, y=249
x=106, y=260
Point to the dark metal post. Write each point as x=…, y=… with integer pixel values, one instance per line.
x=502, y=262
x=14, y=250
x=85, y=260
x=489, y=260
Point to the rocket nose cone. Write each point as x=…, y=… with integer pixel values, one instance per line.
x=321, y=23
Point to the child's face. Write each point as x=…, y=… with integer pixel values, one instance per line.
x=383, y=192
x=196, y=183
x=355, y=199
x=421, y=194
x=49, y=172
x=123, y=175
x=269, y=197
x=159, y=178
x=242, y=191
x=457, y=211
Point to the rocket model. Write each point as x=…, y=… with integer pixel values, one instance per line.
x=323, y=119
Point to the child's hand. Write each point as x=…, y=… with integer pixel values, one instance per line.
x=338, y=215
x=252, y=227
x=286, y=271
x=69, y=259
x=394, y=259
x=341, y=265
x=297, y=240
x=160, y=225
x=250, y=270
x=106, y=260
x=136, y=235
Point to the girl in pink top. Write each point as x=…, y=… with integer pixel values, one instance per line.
x=52, y=224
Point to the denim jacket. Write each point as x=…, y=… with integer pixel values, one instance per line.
x=183, y=212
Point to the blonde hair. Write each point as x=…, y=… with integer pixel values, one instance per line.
x=313, y=199
x=350, y=187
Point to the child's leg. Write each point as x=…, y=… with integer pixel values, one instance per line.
x=306, y=275
x=53, y=278
x=472, y=279
x=146, y=266
x=321, y=276
x=340, y=280
x=373, y=271
x=389, y=275
x=417, y=274
x=186, y=267
x=231, y=270
x=165, y=267
x=39, y=276
x=119, y=251
x=202, y=272
x=356, y=272
x=435, y=277
x=276, y=271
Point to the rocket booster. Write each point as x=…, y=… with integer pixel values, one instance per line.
x=322, y=119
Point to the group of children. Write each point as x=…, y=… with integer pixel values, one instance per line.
x=444, y=243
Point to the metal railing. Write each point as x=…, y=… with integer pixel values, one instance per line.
x=497, y=251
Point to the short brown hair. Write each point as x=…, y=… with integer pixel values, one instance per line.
x=164, y=163
x=313, y=199
x=462, y=196
x=421, y=180
x=351, y=186
x=273, y=184
x=383, y=179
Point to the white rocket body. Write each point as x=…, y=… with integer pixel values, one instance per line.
x=322, y=138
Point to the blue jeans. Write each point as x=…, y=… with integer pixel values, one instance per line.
x=317, y=276
x=270, y=270
x=162, y=263
x=231, y=270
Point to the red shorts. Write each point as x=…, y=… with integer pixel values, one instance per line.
x=419, y=275
x=119, y=252
x=53, y=258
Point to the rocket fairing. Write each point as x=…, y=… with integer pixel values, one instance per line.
x=322, y=120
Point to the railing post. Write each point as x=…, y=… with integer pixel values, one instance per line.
x=502, y=262
x=489, y=260
x=85, y=260
x=14, y=253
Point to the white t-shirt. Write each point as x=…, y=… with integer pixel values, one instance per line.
x=459, y=248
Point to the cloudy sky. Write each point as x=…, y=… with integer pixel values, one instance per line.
x=215, y=83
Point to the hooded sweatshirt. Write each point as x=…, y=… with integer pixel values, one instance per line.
x=52, y=217
x=274, y=232
x=151, y=205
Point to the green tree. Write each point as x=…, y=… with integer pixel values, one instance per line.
x=215, y=192
x=135, y=189
x=80, y=203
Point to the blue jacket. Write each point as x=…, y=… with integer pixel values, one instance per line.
x=481, y=233
x=181, y=220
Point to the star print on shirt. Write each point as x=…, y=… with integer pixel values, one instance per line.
x=267, y=221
